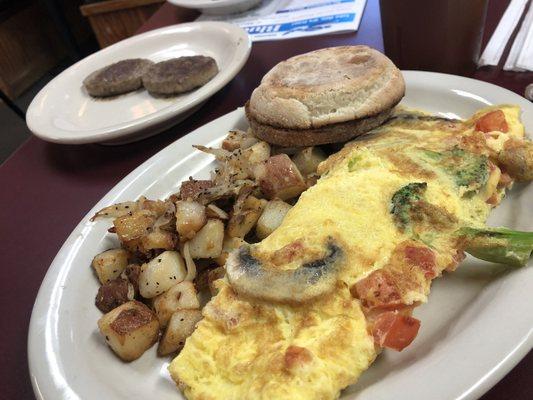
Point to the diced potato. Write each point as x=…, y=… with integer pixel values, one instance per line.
x=190, y=218
x=232, y=141
x=178, y=297
x=271, y=218
x=113, y=294
x=238, y=140
x=242, y=223
x=208, y=241
x=253, y=203
x=110, y=264
x=213, y=211
x=134, y=226
x=159, y=239
x=279, y=177
x=259, y=152
x=133, y=245
x=307, y=160
x=161, y=273
x=243, y=220
x=259, y=171
x=182, y=324
x=130, y=329
x=156, y=206
x=229, y=244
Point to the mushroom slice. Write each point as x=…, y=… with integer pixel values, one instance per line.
x=250, y=277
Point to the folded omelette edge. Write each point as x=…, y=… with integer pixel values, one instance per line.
x=298, y=316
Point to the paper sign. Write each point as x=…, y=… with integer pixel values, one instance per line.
x=287, y=19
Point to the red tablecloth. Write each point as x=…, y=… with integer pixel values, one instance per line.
x=47, y=188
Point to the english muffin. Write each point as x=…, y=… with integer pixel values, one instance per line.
x=118, y=78
x=179, y=75
x=325, y=96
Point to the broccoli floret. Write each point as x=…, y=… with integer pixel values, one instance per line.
x=403, y=200
x=467, y=169
x=498, y=245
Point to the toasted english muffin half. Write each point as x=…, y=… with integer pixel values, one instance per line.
x=333, y=133
x=325, y=87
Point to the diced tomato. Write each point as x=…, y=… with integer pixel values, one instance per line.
x=422, y=257
x=493, y=121
x=377, y=290
x=394, y=330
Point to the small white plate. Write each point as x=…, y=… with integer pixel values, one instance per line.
x=63, y=112
x=218, y=7
x=475, y=328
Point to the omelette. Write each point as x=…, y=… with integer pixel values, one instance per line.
x=301, y=314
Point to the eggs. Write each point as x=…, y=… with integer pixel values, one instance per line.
x=251, y=348
x=244, y=350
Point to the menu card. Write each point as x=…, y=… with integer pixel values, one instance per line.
x=287, y=19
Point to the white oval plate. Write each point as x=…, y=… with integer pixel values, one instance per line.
x=217, y=6
x=475, y=328
x=63, y=112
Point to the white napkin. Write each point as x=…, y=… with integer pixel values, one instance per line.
x=497, y=43
x=521, y=55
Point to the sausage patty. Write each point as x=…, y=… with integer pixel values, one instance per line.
x=179, y=75
x=118, y=78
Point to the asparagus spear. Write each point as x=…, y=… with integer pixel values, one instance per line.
x=499, y=245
